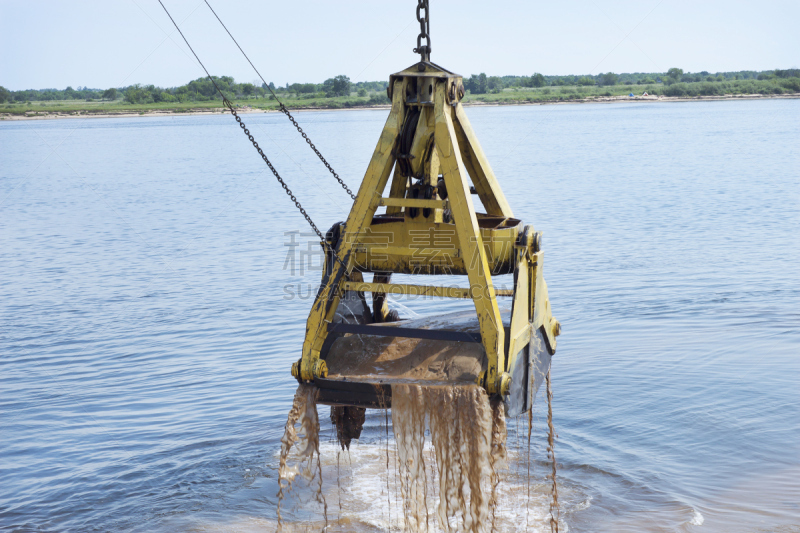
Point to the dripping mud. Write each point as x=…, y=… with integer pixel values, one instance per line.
x=300, y=446
x=442, y=467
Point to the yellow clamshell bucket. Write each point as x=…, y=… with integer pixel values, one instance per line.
x=354, y=353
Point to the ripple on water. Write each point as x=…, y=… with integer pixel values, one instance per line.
x=147, y=330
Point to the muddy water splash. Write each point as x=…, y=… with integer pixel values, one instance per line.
x=497, y=459
x=555, y=513
x=468, y=436
x=299, y=445
x=408, y=423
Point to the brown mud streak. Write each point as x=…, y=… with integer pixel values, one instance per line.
x=338, y=487
x=303, y=412
x=468, y=434
x=497, y=459
x=555, y=513
x=382, y=405
x=408, y=422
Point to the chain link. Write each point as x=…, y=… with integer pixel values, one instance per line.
x=286, y=188
x=283, y=108
x=424, y=31
x=311, y=144
x=272, y=168
x=229, y=105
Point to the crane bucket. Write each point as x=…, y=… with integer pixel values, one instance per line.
x=429, y=225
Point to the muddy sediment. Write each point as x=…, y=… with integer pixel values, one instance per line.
x=348, y=421
x=451, y=485
x=299, y=445
x=468, y=434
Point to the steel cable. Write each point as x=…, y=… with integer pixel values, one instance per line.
x=284, y=110
x=255, y=144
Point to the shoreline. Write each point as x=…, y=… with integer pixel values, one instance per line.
x=216, y=111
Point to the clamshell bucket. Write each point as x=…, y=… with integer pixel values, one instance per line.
x=353, y=352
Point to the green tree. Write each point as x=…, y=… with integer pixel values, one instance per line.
x=5, y=95
x=304, y=88
x=362, y=92
x=136, y=94
x=477, y=84
x=790, y=73
x=585, y=80
x=483, y=84
x=338, y=86
x=538, y=80
x=674, y=75
x=248, y=89
x=110, y=94
x=609, y=78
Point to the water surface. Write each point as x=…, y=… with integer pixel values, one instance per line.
x=152, y=306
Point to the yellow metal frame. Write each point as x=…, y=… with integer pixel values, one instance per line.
x=445, y=145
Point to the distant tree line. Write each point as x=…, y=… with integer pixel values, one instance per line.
x=201, y=90
x=675, y=80
x=482, y=84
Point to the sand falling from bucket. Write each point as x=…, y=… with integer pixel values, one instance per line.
x=299, y=445
x=447, y=460
x=468, y=436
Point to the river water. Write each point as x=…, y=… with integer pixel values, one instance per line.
x=155, y=281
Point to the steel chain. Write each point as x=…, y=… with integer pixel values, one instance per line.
x=246, y=131
x=424, y=31
x=311, y=144
x=286, y=188
x=272, y=168
x=283, y=107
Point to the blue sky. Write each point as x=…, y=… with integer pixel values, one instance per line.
x=104, y=44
